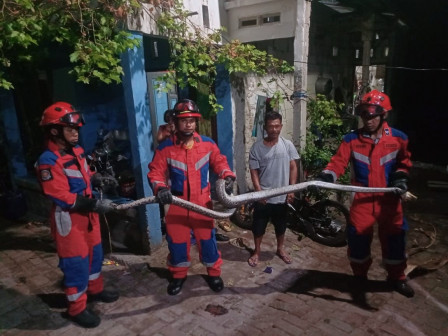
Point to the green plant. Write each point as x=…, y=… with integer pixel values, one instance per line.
x=197, y=53
x=324, y=134
x=93, y=32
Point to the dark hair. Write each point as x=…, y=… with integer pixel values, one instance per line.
x=272, y=116
x=168, y=116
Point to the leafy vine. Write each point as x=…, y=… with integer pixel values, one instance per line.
x=94, y=32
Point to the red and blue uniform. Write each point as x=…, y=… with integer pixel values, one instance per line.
x=64, y=175
x=186, y=173
x=372, y=163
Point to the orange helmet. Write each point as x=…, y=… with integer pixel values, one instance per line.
x=374, y=103
x=186, y=108
x=61, y=113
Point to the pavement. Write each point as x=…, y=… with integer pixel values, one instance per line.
x=312, y=296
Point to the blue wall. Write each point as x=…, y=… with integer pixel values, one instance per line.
x=13, y=143
x=102, y=105
x=224, y=117
x=140, y=128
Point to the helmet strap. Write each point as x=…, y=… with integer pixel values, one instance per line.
x=57, y=135
x=382, y=119
x=184, y=136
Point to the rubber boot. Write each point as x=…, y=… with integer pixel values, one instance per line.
x=86, y=319
x=175, y=286
x=215, y=283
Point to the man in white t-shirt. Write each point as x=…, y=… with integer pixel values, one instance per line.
x=272, y=164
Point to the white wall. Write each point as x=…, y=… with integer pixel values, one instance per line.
x=245, y=104
x=144, y=21
x=213, y=12
x=238, y=9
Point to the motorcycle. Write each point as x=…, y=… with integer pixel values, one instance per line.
x=113, y=180
x=324, y=221
x=112, y=176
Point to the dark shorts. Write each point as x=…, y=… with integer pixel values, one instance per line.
x=265, y=212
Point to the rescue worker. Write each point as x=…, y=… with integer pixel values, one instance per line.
x=180, y=167
x=164, y=132
x=379, y=157
x=64, y=176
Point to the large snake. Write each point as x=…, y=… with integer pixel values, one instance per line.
x=232, y=202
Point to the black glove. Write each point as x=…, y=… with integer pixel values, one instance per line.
x=164, y=195
x=85, y=204
x=229, y=184
x=322, y=177
x=399, y=179
x=325, y=177
x=104, y=205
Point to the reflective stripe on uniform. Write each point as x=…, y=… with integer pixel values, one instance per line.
x=361, y=157
x=72, y=173
x=94, y=276
x=177, y=164
x=76, y=296
x=181, y=264
x=201, y=162
x=388, y=157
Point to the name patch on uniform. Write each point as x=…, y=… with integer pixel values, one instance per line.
x=391, y=145
x=45, y=175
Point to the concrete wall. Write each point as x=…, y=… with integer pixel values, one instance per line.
x=240, y=9
x=213, y=12
x=246, y=92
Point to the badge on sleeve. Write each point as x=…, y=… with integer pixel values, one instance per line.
x=45, y=174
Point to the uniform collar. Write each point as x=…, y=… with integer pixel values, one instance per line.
x=196, y=138
x=54, y=147
x=384, y=132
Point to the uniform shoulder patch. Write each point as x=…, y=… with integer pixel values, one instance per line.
x=45, y=174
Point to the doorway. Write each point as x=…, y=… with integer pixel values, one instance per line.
x=160, y=100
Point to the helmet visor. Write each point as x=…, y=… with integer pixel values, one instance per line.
x=74, y=118
x=186, y=106
x=367, y=111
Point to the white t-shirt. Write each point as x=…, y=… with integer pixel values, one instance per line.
x=272, y=164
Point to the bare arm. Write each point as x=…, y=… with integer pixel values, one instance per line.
x=293, y=171
x=161, y=133
x=256, y=182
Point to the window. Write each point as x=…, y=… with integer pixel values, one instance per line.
x=205, y=17
x=270, y=18
x=248, y=22
x=260, y=20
